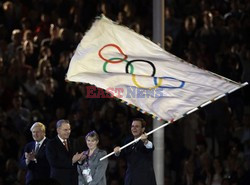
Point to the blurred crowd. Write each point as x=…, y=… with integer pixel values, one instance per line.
x=37, y=40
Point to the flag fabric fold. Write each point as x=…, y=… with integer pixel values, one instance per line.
x=113, y=57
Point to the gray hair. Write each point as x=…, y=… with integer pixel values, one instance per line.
x=60, y=122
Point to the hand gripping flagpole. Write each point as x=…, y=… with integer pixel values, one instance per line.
x=137, y=139
x=169, y=122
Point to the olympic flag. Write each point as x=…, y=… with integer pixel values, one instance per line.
x=141, y=73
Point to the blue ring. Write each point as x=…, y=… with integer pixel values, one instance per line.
x=169, y=87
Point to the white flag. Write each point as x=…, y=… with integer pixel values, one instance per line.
x=139, y=72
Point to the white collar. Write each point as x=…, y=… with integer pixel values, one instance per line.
x=62, y=140
x=40, y=142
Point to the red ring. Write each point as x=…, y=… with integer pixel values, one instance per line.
x=114, y=61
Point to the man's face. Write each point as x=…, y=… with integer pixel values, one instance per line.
x=136, y=129
x=38, y=134
x=64, y=131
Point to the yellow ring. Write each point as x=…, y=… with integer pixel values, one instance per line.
x=138, y=85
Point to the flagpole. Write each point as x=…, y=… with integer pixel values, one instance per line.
x=135, y=140
x=172, y=121
x=158, y=139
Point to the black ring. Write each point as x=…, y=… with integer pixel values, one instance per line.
x=141, y=60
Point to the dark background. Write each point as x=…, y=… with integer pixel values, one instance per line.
x=37, y=40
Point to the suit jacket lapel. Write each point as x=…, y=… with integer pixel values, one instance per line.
x=94, y=155
x=42, y=146
x=62, y=145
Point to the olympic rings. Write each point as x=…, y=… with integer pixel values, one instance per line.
x=169, y=87
x=106, y=63
x=129, y=63
x=110, y=61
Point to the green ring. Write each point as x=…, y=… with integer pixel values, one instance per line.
x=106, y=63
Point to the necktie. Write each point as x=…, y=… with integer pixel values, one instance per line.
x=66, y=144
x=37, y=147
x=134, y=147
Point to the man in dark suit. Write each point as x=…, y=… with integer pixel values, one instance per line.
x=139, y=156
x=34, y=158
x=61, y=157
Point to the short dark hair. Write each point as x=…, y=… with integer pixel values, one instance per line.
x=60, y=122
x=143, y=122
